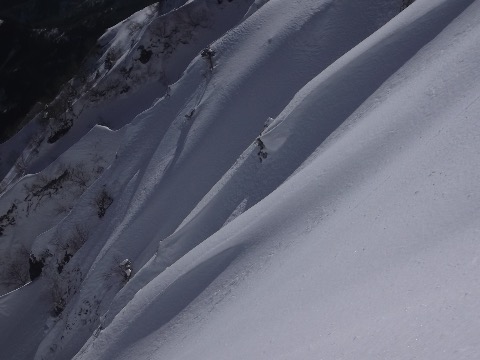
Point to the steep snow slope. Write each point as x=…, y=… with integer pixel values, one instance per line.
x=201, y=147
x=24, y=315
x=347, y=230
x=133, y=66
x=309, y=119
x=369, y=251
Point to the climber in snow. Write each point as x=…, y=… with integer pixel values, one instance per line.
x=126, y=266
x=208, y=53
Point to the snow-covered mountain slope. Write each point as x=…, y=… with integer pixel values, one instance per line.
x=311, y=196
x=133, y=66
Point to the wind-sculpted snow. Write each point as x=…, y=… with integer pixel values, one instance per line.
x=195, y=151
x=338, y=184
x=308, y=120
x=311, y=196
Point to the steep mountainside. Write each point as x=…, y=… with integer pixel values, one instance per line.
x=253, y=180
x=44, y=44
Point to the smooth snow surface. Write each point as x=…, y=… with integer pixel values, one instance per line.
x=24, y=315
x=314, y=196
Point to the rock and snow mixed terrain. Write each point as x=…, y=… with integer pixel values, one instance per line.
x=311, y=196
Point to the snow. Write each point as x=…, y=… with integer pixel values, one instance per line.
x=24, y=316
x=355, y=238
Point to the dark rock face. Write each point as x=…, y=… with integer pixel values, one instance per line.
x=36, y=267
x=44, y=43
x=145, y=55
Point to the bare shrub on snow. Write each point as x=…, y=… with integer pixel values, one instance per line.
x=21, y=165
x=80, y=176
x=102, y=202
x=57, y=293
x=59, y=113
x=76, y=239
x=113, y=54
x=14, y=271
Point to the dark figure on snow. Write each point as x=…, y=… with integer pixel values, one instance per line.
x=36, y=267
x=208, y=54
x=126, y=266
